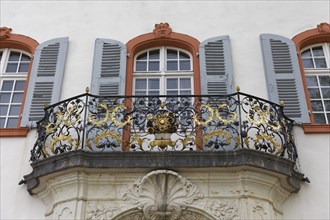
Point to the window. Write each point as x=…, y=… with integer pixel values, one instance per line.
x=163, y=71
x=313, y=56
x=162, y=62
x=316, y=63
x=14, y=65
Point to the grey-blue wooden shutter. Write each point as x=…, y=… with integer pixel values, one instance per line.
x=109, y=68
x=284, y=82
x=45, y=79
x=216, y=66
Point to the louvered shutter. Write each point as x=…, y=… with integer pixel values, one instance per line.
x=216, y=66
x=284, y=82
x=45, y=79
x=109, y=68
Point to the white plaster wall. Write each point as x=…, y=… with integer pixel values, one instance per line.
x=243, y=21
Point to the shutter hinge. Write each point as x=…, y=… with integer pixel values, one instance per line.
x=128, y=55
x=197, y=54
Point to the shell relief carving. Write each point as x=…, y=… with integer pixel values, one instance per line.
x=162, y=194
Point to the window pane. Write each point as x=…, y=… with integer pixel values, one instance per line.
x=154, y=54
x=185, y=92
x=153, y=83
x=183, y=55
x=308, y=63
x=5, y=97
x=14, y=110
x=11, y=67
x=24, y=67
x=142, y=56
x=3, y=110
x=319, y=118
x=324, y=80
x=25, y=58
x=311, y=80
x=326, y=93
x=317, y=105
x=172, y=83
x=314, y=93
x=19, y=85
x=185, y=83
x=14, y=56
x=154, y=66
x=306, y=53
x=141, y=66
x=184, y=65
x=140, y=93
x=141, y=84
x=17, y=97
x=0, y=56
x=2, y=122
x=320, y=63
x=12, y=122
x=327, y=105
x=7, y=85
x=153, y=92
x=172, y=54
x=172, y=92
x=318, y=51
x=172, y=65
x=328, y=116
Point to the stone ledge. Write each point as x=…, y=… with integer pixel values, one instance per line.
x=165, y=160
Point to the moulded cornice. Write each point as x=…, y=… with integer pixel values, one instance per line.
x=158, y=160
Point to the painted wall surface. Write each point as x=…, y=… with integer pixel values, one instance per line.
x=243, y=21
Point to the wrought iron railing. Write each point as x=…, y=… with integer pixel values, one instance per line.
x=164, y=123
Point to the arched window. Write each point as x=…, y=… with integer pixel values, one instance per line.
x=313, y=47
x=15, y=57
x=316, y=62
x=163, y=71
x=14, y=66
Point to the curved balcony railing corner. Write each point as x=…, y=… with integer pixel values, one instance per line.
x=164, y=123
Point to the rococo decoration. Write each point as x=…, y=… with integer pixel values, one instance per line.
x=164, y=123
x=323, y=27
x=162, y=30
x=5, y=32
x=162, y=194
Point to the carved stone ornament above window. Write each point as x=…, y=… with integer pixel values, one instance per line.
x=323, y=27
x=162, y=30
x=5, y=32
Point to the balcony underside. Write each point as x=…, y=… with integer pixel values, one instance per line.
x=195, y=160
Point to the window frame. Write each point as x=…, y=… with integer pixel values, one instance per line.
x=318, y=35
x=163, y=74
x=28, y=45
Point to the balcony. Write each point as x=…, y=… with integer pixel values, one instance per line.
x=164, y=123
x=200, y=154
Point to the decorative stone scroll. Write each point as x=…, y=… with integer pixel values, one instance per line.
x=5, y=32
x=162, y=194
x=162, y=30
x=223, y=210
x=323, y=27
x=100, y=210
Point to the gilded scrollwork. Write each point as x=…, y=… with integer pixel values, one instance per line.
x=164, y=123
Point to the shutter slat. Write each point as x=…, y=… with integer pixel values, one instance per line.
x=109, y=68
x=283, y=76
x=45, y=79
x=216, y=66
